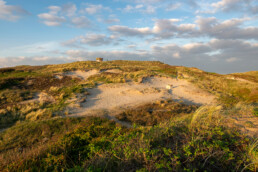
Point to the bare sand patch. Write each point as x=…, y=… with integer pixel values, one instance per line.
x=117, y=97
x=86, y=74
x=113, y=71
x=82, y=74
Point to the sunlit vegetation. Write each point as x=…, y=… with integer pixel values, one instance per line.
x=201, y=141
x=153, y=114
x=165, y=135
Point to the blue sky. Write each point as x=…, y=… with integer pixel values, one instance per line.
x=213, y=35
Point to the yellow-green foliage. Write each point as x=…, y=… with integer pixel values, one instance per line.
x=202, y=141
x=229, y=91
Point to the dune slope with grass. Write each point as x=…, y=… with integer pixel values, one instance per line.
x=127, y=116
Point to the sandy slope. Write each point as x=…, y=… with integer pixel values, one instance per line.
x=115, y=97
x=82, y=74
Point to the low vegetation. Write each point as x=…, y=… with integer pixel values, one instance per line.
x=202, y=141
x=37, y=135
x=153, y=114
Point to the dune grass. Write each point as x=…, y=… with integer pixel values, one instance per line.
x=202, y=141
x=167, y=136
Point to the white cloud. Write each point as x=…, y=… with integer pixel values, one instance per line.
x=210, y=27
x=11, y=12
x=95, y=39
x=66, y=14
x=228, y=29
x=54, y=9
x=81, y=22
x=93, y=9
x=227, y=5
x=246, y=6
x=126, y=31
x=51, y=19
x=91, y=40
x=148, y=9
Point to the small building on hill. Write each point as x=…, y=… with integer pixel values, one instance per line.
x=99, y=59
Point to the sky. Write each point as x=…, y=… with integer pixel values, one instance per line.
x=213, y=35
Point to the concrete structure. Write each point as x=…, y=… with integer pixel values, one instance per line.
x=99, y=59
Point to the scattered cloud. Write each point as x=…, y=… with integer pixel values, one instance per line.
x=246, y=6
x=95, y=39
x=81, y=22
x=203, y=27
x=148, y=9
x=58, y=15
x=227, y=5
x=91, y=40
x=126, y=31
x=227, y=29
x=93, y=9
x=52, y=18
x=11, y=12
x=173, y=6
x=243, y=54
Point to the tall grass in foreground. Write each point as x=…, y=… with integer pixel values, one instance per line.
x=203, y=141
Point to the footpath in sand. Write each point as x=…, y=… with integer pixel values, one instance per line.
x=117, y=97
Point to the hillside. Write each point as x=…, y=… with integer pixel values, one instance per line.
x=127, y=116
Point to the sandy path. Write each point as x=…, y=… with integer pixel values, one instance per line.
x=117, y=97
